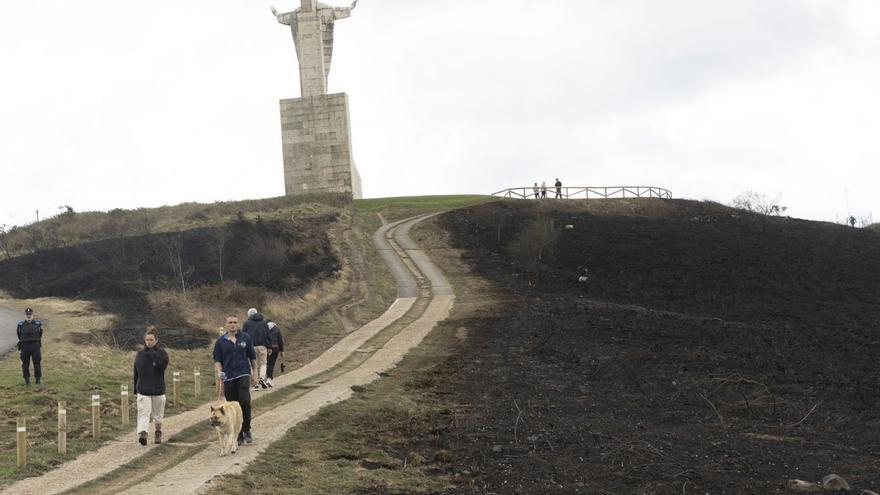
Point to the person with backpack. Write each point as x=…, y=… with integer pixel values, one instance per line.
x=30, y=340
x=149, y=385
x=276, y=343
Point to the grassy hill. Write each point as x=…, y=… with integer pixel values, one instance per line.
x=98, y=278
x=133, y=264
x=710, y=350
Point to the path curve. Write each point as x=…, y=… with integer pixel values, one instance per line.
x=9, y=319
x=417, y=277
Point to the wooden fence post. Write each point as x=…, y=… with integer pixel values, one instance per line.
x=96, y=417
x=62, y=427
x=197, y=382
x=176, y=389
x=124, y=398
x=20, y=442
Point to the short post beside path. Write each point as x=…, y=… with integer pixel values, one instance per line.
x=175, y=389
x=62, y=427
x=20, y=442
x=124, y=400
x=197, y=382
x=96, y=417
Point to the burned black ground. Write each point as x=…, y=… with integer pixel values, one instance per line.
x=711, y=351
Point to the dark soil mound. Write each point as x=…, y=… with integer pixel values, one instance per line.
x=119, y=273
x=711, y=350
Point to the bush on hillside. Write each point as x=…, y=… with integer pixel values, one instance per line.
x=759, y=203
x=536, y=243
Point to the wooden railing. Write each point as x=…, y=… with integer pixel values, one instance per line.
x=586, y=192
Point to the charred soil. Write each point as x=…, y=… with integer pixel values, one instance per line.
x=708, y=350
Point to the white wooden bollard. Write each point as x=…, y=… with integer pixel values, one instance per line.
x=124, y=401
x=62, y=427
x=96, y=417
x=175, y=390
x=20, y=442
x=197, y=382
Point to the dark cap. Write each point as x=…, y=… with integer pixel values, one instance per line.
x=28, y=311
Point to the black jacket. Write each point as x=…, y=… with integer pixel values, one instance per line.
x=30, y=331
x=276, y=340
x=149, y=371
x=257, y=329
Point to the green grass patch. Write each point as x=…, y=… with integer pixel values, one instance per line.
x=358, y=446
x=73, y=373
x=402, y=207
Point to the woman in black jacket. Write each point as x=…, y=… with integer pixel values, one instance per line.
x=149, y=385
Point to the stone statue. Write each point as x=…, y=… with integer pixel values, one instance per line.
x=312, y=27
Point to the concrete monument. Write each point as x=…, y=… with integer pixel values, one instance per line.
x=315, y=128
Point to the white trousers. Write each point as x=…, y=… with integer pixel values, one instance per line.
x=150, y=407
x=262, y=359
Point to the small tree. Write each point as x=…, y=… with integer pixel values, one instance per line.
x=759, y=203
x=536, y=242
x=4, y=241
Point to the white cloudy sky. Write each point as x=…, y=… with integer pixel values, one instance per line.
x=113, y=103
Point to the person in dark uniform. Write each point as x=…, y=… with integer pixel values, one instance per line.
x=30, y=335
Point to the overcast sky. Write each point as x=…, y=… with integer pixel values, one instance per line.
x=112, y=103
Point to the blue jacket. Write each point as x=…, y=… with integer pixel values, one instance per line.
x=235, y=359
x=258, y=330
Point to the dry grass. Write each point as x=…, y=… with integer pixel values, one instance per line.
x=68, y=230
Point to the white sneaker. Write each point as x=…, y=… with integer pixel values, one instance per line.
x=257, y=387
x=270, y=382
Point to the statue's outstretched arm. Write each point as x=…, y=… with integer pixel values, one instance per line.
x=342, y=12
x=282, y=18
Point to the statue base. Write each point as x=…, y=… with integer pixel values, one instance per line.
x=316, y=144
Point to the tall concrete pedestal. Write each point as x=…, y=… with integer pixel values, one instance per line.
x=316, y=141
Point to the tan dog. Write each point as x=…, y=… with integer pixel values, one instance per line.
x=227, y=419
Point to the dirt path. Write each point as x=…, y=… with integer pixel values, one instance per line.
x=196, y=470
x=8, y=320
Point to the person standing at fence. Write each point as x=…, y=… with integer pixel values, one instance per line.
x=258, y=330
x=235, y=363
x=276, y=344
x=558, y=188
x=30, y=340
x=543, y=189
x=536, y=190
x=149, y=385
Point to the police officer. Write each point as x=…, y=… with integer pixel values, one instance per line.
x=30, y=333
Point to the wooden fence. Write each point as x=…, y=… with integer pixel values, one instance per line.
x=586, y=192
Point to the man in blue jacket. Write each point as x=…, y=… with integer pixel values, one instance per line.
x=30, y=336
x=235, y=365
